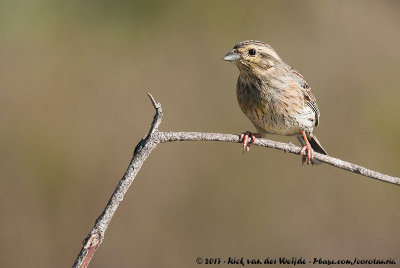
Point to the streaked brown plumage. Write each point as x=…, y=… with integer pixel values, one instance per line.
x=274, y=96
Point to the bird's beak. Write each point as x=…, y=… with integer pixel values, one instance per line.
x=231, y=56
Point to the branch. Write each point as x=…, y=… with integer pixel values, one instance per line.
x=154, y=137
x=286, y=147
x=142, y=151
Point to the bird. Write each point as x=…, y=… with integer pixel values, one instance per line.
x=275, y=97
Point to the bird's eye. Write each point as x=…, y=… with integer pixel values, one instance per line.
x=252, y=52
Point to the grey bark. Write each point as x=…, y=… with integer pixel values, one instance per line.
x=149, y=143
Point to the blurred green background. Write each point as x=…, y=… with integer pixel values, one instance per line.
x=73, y=105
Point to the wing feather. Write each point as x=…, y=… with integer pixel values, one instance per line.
x=309, y=97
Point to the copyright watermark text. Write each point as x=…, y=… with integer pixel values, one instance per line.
x=243, y=261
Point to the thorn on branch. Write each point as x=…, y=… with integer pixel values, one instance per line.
x=156, y=105
x=157, y=117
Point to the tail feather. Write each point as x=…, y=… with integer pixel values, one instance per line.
x=315, y=145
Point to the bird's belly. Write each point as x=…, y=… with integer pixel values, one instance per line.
x=279, y=123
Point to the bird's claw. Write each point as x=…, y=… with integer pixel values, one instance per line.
x=247, y=139
x=309, y=154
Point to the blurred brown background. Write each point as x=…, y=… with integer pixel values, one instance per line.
x=73, y=105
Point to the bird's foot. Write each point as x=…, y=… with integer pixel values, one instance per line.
x=309, y=154
x=307, y=148
x=248, y=138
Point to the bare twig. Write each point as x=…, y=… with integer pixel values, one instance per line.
x=154, y=137
x=142, y=151
x=286, y=147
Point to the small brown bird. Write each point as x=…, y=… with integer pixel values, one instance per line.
x=274, y=96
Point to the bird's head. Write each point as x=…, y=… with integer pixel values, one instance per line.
x=253, y=57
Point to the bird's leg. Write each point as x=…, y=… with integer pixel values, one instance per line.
x=248, y=138
x=307, y=148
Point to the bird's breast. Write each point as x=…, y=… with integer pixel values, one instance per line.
x=272, y=110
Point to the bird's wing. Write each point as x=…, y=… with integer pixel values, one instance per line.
x=309, y=97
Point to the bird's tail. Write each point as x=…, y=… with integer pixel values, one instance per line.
x=315, y=145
